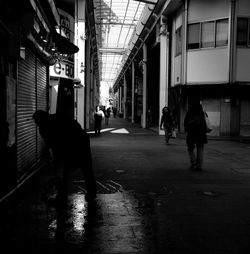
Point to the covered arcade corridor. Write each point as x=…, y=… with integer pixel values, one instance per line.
x=148, y=201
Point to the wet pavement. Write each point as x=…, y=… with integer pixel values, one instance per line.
x=148, y=201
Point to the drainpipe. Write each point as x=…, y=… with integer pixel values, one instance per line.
x=144, y=96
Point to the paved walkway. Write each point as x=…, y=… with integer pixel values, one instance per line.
x=148, y=201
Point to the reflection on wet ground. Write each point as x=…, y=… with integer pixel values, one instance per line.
x=116, y=223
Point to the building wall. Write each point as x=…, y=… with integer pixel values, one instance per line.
x=176, y=64
x=207, y=9
x=243, y=53
x=207, y=66
x=243, y=8
x=242, y=65
x=213, y=108
x=245, y=118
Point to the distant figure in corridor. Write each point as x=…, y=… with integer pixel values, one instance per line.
x=98, y=116
x=167, y=123
x=114, y=112
x=107, y=115
x=70, y=145
x=195, y=127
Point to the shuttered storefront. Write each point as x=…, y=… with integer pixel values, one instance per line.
x=42, y=99
x=31, y=95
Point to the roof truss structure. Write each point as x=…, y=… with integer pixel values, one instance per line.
x=115, y=22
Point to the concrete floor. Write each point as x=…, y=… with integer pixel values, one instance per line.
x=148, y=201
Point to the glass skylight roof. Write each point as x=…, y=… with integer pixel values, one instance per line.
x=115, y=21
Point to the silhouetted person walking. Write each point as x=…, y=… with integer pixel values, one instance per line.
x=167, y=123
x=195, y=127
x=70, y=145
x=107, y=115
x=114, y=112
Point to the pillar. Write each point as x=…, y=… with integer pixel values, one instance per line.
x=124, y=97
x=164, y=56
x=80, y=58
x=144, y=95
x=133, y=93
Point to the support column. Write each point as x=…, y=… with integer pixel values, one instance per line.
x=144, y=95
x=133, y=93
x=164, y=56
x=80, y=58
x=124, y=97
x=120, y=100
x=88, y=83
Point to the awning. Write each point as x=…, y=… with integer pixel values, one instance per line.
x=63, y=45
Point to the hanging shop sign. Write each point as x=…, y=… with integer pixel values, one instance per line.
x=62, y=69
x=64, y=66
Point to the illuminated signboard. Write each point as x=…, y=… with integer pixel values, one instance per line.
x=62, y=69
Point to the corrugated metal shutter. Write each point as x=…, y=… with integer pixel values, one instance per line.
x=42, y=100
x=31, y=95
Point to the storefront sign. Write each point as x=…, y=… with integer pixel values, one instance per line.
x=62, y=69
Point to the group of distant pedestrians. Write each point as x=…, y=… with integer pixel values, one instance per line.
x=99, y=115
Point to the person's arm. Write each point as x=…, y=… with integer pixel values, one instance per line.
x=103, y=116
x=186, y=121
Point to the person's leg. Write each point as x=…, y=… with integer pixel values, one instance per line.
x=191, y=154
x=200, y=149
x=88, y=174
x=169, y=132
x=166, y=135
x=96, y=128
x=99, y=127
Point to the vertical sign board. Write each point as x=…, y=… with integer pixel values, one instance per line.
x=64, y=67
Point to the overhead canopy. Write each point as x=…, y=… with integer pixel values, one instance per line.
x=63, y=45
x=115, y=22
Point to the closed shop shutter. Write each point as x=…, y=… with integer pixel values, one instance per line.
x=245, y=118
x=42, y=100
x=31, y=95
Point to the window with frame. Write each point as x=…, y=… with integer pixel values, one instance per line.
x=194, y=36
x=243, y=35
x=208, y=34
x=221, y=36
x=178, y=41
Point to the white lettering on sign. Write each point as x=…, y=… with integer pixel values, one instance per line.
x=62, y=69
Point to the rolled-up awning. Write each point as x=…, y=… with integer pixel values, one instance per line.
x=64, y=46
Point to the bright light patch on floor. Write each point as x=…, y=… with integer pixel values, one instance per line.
x=103, y=130
x=120, y=131
x=107, y=129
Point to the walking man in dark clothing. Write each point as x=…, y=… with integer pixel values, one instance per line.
x=195, y=127
x=167, y=123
